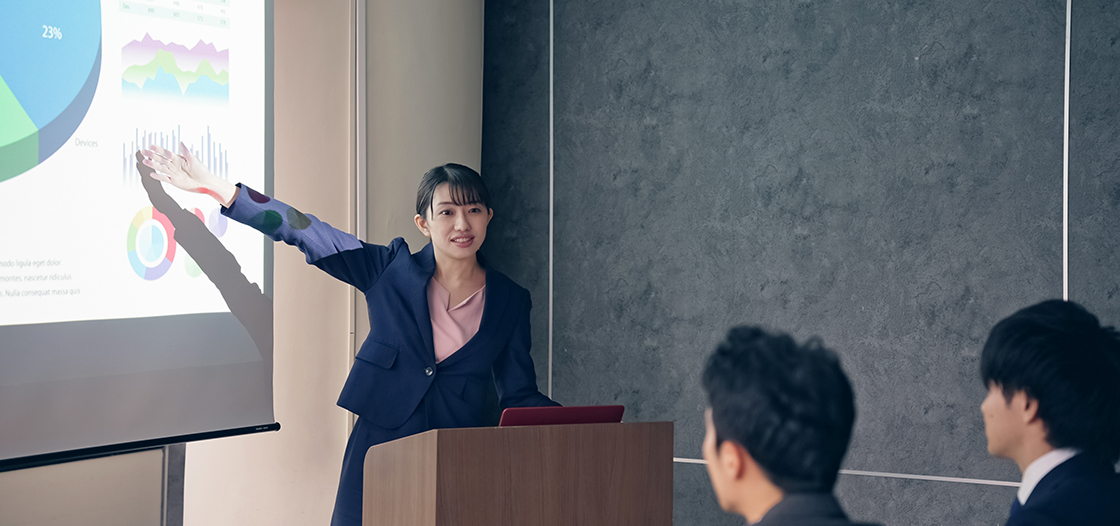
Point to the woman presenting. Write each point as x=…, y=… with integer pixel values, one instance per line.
x=442, y=323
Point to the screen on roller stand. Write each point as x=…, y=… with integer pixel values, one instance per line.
x=131, y=313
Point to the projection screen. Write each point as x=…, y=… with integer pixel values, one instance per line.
x=130, y=313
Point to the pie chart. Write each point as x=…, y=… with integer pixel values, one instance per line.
x=50, y=59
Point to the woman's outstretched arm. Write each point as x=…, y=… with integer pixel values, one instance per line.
x=336, y=252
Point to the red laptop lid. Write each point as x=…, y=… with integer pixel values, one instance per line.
x=550, y=416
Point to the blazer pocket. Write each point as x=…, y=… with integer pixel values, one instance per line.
x=378, y=353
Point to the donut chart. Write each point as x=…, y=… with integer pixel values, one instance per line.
x=151, y=244
x=47, y=87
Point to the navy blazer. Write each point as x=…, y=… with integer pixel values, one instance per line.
x=396, y=365
x=1081, y=491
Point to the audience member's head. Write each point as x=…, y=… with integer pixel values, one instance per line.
x=779, y=421
x=1053, y=375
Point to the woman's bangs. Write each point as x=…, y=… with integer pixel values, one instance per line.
x=463, y=193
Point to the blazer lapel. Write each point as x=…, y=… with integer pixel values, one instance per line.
x=493, y=314
x=423, y=266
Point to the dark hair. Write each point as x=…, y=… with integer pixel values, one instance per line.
x=789, y=405
x=464, y=184
x=1058, y=354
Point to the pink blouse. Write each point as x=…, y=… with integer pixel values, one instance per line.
x=451, y=328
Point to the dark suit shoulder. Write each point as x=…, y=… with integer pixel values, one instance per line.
x=815, y=521
x=397, y=244
x=808, y=509
x=1032, y=518
x=1079, y=491
x=398, y=248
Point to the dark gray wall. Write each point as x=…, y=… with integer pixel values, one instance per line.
x=1094, y=158
x=887, y=175
x=515, y=153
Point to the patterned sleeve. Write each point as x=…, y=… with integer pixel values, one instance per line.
x=338, y=253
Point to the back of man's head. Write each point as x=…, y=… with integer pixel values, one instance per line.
x=1058, y=354
x=790, y=406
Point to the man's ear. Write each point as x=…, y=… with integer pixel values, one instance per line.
x=1029, y=407
x=422, y=224
x=734, y=460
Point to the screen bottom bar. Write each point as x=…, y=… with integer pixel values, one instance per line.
x=60, y=457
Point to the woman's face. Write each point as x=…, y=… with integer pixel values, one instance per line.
x=457, y=231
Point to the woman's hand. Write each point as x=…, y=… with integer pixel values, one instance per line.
x=186, y=172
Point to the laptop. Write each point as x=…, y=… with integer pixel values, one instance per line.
x=556, y=415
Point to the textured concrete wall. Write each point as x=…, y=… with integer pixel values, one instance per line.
x=1094, y=158
x=515, y=154
x=887, y=175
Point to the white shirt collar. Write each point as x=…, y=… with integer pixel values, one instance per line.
x=1040, y=468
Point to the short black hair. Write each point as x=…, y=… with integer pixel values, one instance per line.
x=464, y=184
x=1058, y=354
x=791, y=406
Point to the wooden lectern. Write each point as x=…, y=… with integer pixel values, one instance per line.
x=588, y=474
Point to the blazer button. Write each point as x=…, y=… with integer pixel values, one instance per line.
x=428, y=371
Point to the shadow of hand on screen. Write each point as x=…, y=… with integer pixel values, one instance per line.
x=244, y=298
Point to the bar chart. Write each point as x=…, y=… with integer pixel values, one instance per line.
x=204, y=146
